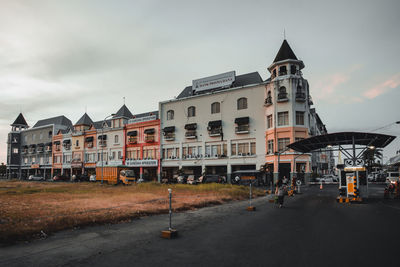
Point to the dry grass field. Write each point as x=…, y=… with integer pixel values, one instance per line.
x=29, y=209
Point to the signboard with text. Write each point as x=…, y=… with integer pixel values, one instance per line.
x=142, y=163
x=216, y=81
x=143, y=119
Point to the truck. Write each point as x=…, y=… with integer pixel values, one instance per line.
x=116, y=175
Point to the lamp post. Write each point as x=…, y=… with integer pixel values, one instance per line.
x=102, y=145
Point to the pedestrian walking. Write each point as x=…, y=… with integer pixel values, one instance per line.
x=280, y=193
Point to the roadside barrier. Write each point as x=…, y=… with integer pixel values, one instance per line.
x=170, y=233
x=250, y=207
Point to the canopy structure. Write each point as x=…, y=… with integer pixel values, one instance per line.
x=341, y=138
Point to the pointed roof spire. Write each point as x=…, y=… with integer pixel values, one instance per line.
x=84, y=120
x=20, y=121
x=123, y=112
x=285, y=52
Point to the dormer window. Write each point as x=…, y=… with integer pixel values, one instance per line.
x=282, y=70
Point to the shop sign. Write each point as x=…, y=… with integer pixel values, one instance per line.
x=142, y=163
x=143, y=119
x=76, y=164
x=35, y=166
x=216, y=81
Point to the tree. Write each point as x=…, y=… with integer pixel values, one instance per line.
x=370, y=156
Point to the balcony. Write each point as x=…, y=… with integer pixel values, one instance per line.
x=103, y=143
x=149, y=138
x=242, y=129
x=169, y=136
x=89, y=145
x=282, y=97
x=268, y=101
x=67, y=147
x=132, y=140
x=215, y=131
x=31, y=150
x=191, y=134
x=282, y=72
x=300, y=97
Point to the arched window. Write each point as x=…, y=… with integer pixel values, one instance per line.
x=116, y=139
x=191, y=111
x=170, y=115
x=293, y=69
x=242, y=103
x=215, y=107
x=282, y=70
x=282, y=93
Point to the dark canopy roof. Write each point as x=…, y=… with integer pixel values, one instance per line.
x=84, y=120
x=20, y=121
x=123, y=112
x=342, y=138
x=285, y=52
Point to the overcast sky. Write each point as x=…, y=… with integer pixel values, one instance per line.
x=60, y=57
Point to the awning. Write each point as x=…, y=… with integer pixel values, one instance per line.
x=242, y=120
x=341, y=138
x=32, y=146
x=191, y=126
x=169, y=129
x=48, y=144
x=41, y=145
x=56, y=142
x=215, y=124
x=89, y=139
x=132, y=133
x=68, y=141
x=149, y=131
x=102, y=137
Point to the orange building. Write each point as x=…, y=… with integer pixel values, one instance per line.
x=142, y=145
x=57, y=165
x=78, y=144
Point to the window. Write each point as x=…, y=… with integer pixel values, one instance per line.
x=116, y=139
x=50, y=134
x=33, y=137
x=233, y=149
x=252, y=148
x=282, y=70
x=170, y=115
x=282, y=143
x=119, y=155
x=41, y=136
x=283, y=118
x=269, y=121
x=274, y=73
x=15, y=150
x=299, y=117
x=26, y=138
x=293, y=69
x=191, y=111
x=243, y=148
x=242, y=103
x=282, y=95
x=270, y=149
x=113, y=155
x=77, y=143
x=215, y=107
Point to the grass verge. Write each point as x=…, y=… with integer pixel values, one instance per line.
x=29, y=209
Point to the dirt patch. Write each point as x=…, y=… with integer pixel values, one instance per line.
x=36, y=209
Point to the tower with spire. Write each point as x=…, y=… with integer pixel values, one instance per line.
x=287, y=109
x=14, y=146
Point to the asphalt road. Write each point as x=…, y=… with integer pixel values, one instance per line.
x=311, y=230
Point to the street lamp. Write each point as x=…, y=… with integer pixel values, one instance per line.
x=102, y=145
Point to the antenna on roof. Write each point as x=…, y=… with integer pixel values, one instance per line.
x=85, y=109
x=124, y=100
x=284, y=34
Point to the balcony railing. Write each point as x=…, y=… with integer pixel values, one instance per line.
x=103, y=143
x=215, y=131
x=240, y=129
x=300, y=96
x=282, y=97
x=149, y=138
x=190, y=134
x=284, y=72
x=268, y=101
x=67, y=147
x=31, y=150
x=132, y=140
x=90, y=145
x=169, y=136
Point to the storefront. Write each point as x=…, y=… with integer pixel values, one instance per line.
x=148, y=169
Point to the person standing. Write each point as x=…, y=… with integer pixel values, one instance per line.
x=280, y=193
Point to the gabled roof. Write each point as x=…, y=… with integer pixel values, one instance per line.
x=84, y=120
x=285, y=52
x=64, y=131
x=240, y=80
x=98, y=124
x=20, y=121
x=59, y=120
x=123, y=112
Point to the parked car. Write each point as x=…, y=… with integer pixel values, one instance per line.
x=212, y=178
x=36, y=178
x=191, y=180
x=58, y=178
